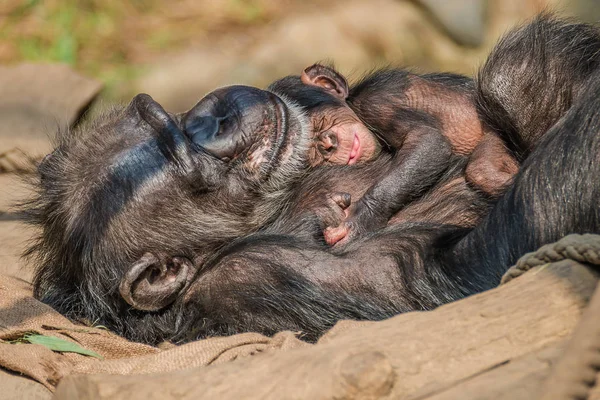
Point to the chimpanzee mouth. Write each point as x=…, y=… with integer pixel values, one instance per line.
x=355, y=151
x=291, y=140
x=243, y=125
x=271, y=150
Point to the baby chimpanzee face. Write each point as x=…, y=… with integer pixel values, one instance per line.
x=339, y=137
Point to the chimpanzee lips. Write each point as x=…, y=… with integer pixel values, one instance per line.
x=355, y=152
x=237, y=122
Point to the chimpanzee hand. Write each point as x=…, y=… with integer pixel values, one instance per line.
x=333, y=212
x=359, y=219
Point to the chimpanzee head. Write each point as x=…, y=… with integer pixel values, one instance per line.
x=338, y=135
x=130, y=206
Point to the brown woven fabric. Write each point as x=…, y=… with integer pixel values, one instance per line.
x=20, y=313
x=204, y=352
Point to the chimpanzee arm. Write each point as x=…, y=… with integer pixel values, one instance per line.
x=268, y=283
x=417, y=164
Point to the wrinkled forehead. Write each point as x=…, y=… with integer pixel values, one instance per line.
x=138, y=199
x=103, y=169
x=134, y=178
x=129, y=175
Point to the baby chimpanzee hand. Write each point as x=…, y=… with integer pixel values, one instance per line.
x=333, y=212
x=359, y=219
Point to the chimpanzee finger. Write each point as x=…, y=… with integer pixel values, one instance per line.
x=330, y=213
x=334, y=235
x=334, y=212
x=342, y=199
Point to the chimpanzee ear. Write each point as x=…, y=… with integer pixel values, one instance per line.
x=326, y=78
x=151, y=284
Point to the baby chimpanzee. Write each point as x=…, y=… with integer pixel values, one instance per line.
x=428, y=120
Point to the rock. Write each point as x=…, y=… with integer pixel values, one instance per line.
x=355, y=35
x=464, y=20
x=36, y=100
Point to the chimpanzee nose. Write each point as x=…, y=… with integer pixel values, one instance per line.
x=328, y=143
x=203, y=128
x=227, y=121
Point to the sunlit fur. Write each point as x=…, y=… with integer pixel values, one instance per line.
x=539, y=69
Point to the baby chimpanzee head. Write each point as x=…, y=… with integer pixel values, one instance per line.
x=338, y=134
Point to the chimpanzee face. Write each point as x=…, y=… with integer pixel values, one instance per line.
x=337, y=134
x=148, y=194
x=340, y=137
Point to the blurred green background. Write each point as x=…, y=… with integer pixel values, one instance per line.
x=111, y=39
x=165, y=47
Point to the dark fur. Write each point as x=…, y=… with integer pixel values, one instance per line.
x=283, y=278
x=418, y=266
x=526, y=65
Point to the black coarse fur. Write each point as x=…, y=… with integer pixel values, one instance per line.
x=383, y=93
x=555, y=193
x=283, y=279
x=308, y=96
x=523, y=85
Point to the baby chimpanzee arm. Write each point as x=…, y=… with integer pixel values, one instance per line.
x=417, y=163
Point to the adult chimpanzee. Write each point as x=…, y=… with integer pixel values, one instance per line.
x=136, y=240
x=421, y=120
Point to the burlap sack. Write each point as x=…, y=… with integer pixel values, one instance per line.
x=20, y=313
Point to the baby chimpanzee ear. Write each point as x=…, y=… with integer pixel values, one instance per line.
x=326, y=78
x=151, y=283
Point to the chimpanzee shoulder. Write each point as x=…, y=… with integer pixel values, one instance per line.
x=532, y=77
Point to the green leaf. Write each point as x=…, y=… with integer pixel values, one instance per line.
x=59, y=345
